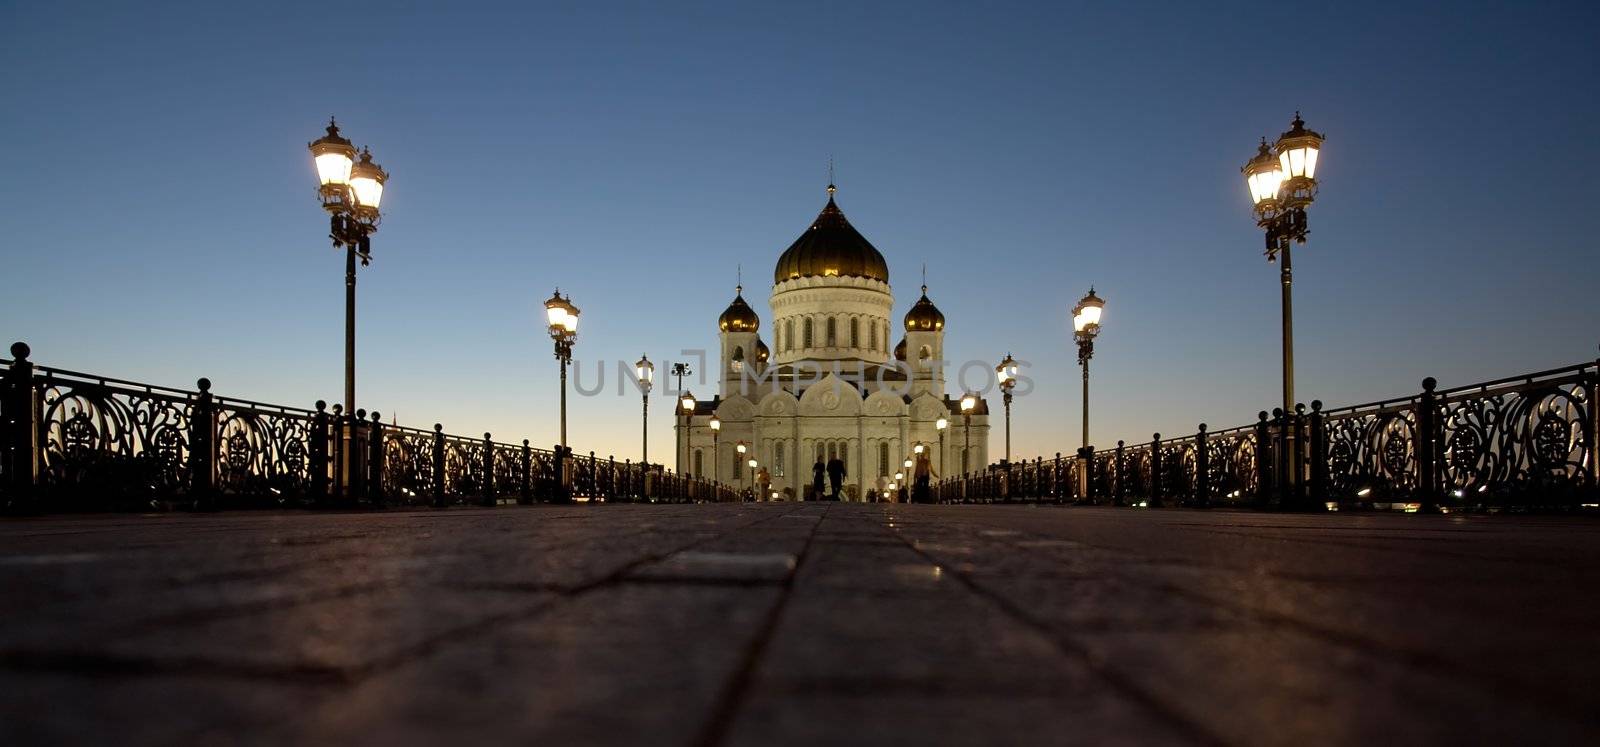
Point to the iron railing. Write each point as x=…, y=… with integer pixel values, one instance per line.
x=1521, y=443
x=71, y=441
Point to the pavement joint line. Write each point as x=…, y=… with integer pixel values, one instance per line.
x=1071, y=648
x=736, y=690
x=1533, y=694
x=105, y=663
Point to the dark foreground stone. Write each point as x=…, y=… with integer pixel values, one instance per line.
x=799, y=624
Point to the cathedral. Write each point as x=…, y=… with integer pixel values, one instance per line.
x=827, y=387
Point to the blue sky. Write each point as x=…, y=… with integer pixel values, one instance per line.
x=158, y=220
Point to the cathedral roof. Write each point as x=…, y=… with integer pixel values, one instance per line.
x=924, y=316
x=831, y=247
x=739, y=317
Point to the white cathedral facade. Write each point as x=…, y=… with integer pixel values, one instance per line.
x=831, y=385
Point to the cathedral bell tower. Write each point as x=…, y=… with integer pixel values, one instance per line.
x=924, y=346
x=741, y=348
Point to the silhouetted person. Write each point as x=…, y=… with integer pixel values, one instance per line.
x=818, y=473
x=921, y=490
x=835, y=476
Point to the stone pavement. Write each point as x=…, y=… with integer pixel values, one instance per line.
x=799, y=624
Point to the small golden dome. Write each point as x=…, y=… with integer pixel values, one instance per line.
x=762, y=353
x=924, y=316
x=900, y=350
x=739, y=317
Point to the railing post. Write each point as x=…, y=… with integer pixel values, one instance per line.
x=563, y=475
x=375, y=461
x=19, y=432
x=203, y=449
x=1120, y=488
x=1281, y=461
x=358, y=457
x=318, y=456
x=525, y=495
x=488, y=498
x=1594, y=429
x=438, y=466
x=1055, y=480
x=1202, y=470
x=1319, y=456
x=337, y=424
x=1088, y=474
x=1155, y=470
x=1428, y=437
x=1264, y=455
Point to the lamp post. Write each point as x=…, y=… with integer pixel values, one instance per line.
x=1085, y=327
x=716, y=452
x=969, y=402
x=647, y=377
x=681, y=370
x=939, y=425
x=686, y=411
x=351, y=191
x=562, y=318
x=739, y=450
x=1282, y=182
x=1007, y=373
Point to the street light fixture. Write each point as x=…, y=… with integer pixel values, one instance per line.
x=686, y=411
x=562, y=319
x=351, y=192
x=1006, y=372
x=740, y=449
x=716, y=451
x=1085, y=327
x=939, y=425
x=647, y=376
x=969, y=402
x=1282, y=183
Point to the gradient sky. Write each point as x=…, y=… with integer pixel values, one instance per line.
x=158, y=219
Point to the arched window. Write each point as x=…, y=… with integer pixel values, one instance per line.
x=833, y=332
x=738, y=358
x=699, y=462
x=883, y=458
x=777, y=459
x=806, y=325
x=855, y=332
x=822, y=456
x=788, y=333
x=872, y=337
x=738, y=463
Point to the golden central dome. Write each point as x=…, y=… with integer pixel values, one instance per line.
x=831, y=247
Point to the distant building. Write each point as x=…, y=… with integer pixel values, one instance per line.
x=827, y=386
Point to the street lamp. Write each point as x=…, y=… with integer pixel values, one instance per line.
x=686, y=411
x=1007, y=373
x=716, y=453
x=351, y=192
x=939, y=425
x=739, y=449
x=1282, y=182
x=681, y=370
x=969, y=402
x=647, y=377
x=1085, y=327
x=562, y=318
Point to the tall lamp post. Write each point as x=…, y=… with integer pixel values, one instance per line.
x=351, y=192
x=647, y=376
x=686, y=411
x=969, y=402
x=1282, y=182
x=716, y=451
x=1007, y=373
x=940, y=425
x=1085, y=327
x=739, y=450
x=562, y=318
x=681, y=370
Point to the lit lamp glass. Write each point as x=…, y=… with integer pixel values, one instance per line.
x=915, y=450
x=1086, y=315
x=334, y=156
x=1297, y=151
x=752, y=463
x=969, y=402
x=716, y=423
x=1263, y=177
x=898, y=476
x=739, y=447
x=366, y=182
x=906, y=464
x=687, y=403
x=1006, y=372
x=941, y=423
x=561, y=315
x=646, y=371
